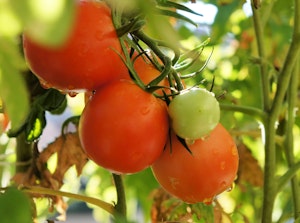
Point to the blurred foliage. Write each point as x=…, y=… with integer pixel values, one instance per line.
x=231, y=71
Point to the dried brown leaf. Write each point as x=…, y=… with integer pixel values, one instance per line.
x=69, y=152
x=249, y=168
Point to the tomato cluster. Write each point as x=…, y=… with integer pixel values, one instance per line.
x=124, y=127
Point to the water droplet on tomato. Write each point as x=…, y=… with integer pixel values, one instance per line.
x=45, y=84
x=234, y=151
x=99, y=35
x=208, y=201
x=223, y=184
x=223, y=165
x=72, y=94
x=229, y=188
x=145, y=110
x=83, y=50
x=190, y=141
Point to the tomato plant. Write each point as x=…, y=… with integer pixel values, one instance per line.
x=148, y=72
x=200, y=176
x=87, y=60
x=194, y=113
x=123, y=128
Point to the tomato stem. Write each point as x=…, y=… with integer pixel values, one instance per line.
x=120, y=207
x=168, y=69
x=23, y=153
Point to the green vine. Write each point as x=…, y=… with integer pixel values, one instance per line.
x=272, y=110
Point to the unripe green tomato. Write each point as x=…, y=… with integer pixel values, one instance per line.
x=194, y=113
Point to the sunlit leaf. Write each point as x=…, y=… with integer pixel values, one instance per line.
x=47, y=22
x=12, y=85
x=15, y=207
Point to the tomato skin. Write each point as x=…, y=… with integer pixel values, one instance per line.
x=123, y=128
x=200, y=176
x=87, y=60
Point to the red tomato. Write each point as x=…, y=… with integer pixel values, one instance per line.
x=123, y=128
x=200, y=176
x=87, y=60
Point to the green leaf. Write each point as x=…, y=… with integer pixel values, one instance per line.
x=177, y=6
x=12, y=85
x=36, y=124
x=51, y=100
x=220, y=26
x=47, y=22
x=15, y=207
x=159, y=27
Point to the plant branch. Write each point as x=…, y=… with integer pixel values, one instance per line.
x=46, y=191
x=289, y=174
x=262, y=55
x=289, y=63
x=254, y=112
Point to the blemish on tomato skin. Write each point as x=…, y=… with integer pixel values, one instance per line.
x=174, y=182
x=234, y=151
x=223, y=165
x=145, y=110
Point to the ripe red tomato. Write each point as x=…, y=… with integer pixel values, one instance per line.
x=123, y=128
x=200, y=176
x=87, y=60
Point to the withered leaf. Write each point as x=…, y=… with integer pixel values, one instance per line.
x=249, y=168
x=69, y=153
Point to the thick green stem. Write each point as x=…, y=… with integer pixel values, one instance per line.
x=23, y=153
x=289, y=139
x=262, y=56
x=270, y=185
x=120, y=208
